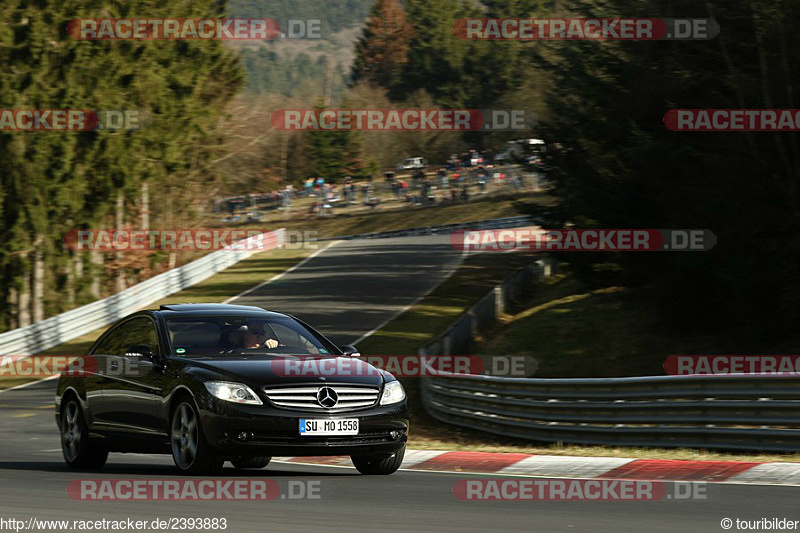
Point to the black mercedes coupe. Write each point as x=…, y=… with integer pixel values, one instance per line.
x=211, y=383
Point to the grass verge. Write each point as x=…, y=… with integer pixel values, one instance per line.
x=476, y=276
x=576, y=332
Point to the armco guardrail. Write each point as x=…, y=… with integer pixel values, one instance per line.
x=748, y=412
x=72, y=324
x=456, y=338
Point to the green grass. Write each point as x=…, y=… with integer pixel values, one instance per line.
x=477, y=275
x=576, y=332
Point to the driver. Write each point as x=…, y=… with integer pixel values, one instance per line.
x=254, y=335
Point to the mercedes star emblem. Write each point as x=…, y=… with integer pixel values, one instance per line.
x=327, y=397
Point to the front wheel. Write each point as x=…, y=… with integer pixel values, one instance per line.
x=78, y=449
x=379, y=465
x=190, y=451
x=243, y=462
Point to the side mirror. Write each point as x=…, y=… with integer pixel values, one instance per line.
x=139, y=350
x=351, y=351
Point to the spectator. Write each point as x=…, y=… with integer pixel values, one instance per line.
x=443, y=178
x=483, y=177
x=287, y=197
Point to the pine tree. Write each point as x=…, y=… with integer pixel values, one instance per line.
x=56, y=181
x=381, y=52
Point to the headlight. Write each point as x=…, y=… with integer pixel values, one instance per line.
x=232, y=392
x=393, y=393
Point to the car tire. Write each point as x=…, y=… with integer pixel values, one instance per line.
x=380, y=465
x=190, y=450
x=244, y=462
x=79, y=449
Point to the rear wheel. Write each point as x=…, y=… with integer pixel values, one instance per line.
x=243, y=462
x=190, y=451
x=379, y=465
x=79, y=450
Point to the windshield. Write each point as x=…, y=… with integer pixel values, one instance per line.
x=243, y=335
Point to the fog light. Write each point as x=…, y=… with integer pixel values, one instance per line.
x=394, y=435
x=244, y=436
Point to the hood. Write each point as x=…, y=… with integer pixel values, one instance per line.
x=260, y=370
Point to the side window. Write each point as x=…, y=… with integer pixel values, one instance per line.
x=111, y=343
x=139, y=331
x=136, y=331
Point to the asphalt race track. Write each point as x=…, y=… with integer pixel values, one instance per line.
x=347, y=291
x=353, y=287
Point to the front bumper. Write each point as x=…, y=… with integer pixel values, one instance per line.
x=275, y=432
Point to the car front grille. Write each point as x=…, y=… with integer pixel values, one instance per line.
x=304, y=397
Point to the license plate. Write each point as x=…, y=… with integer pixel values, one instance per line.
x=321, y=427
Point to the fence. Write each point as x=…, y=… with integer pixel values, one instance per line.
x=72, y=324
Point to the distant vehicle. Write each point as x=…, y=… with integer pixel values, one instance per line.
x=522, y=151
x=200, y=382
x=533, y=144
x=504, y=158
x=412, y=163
